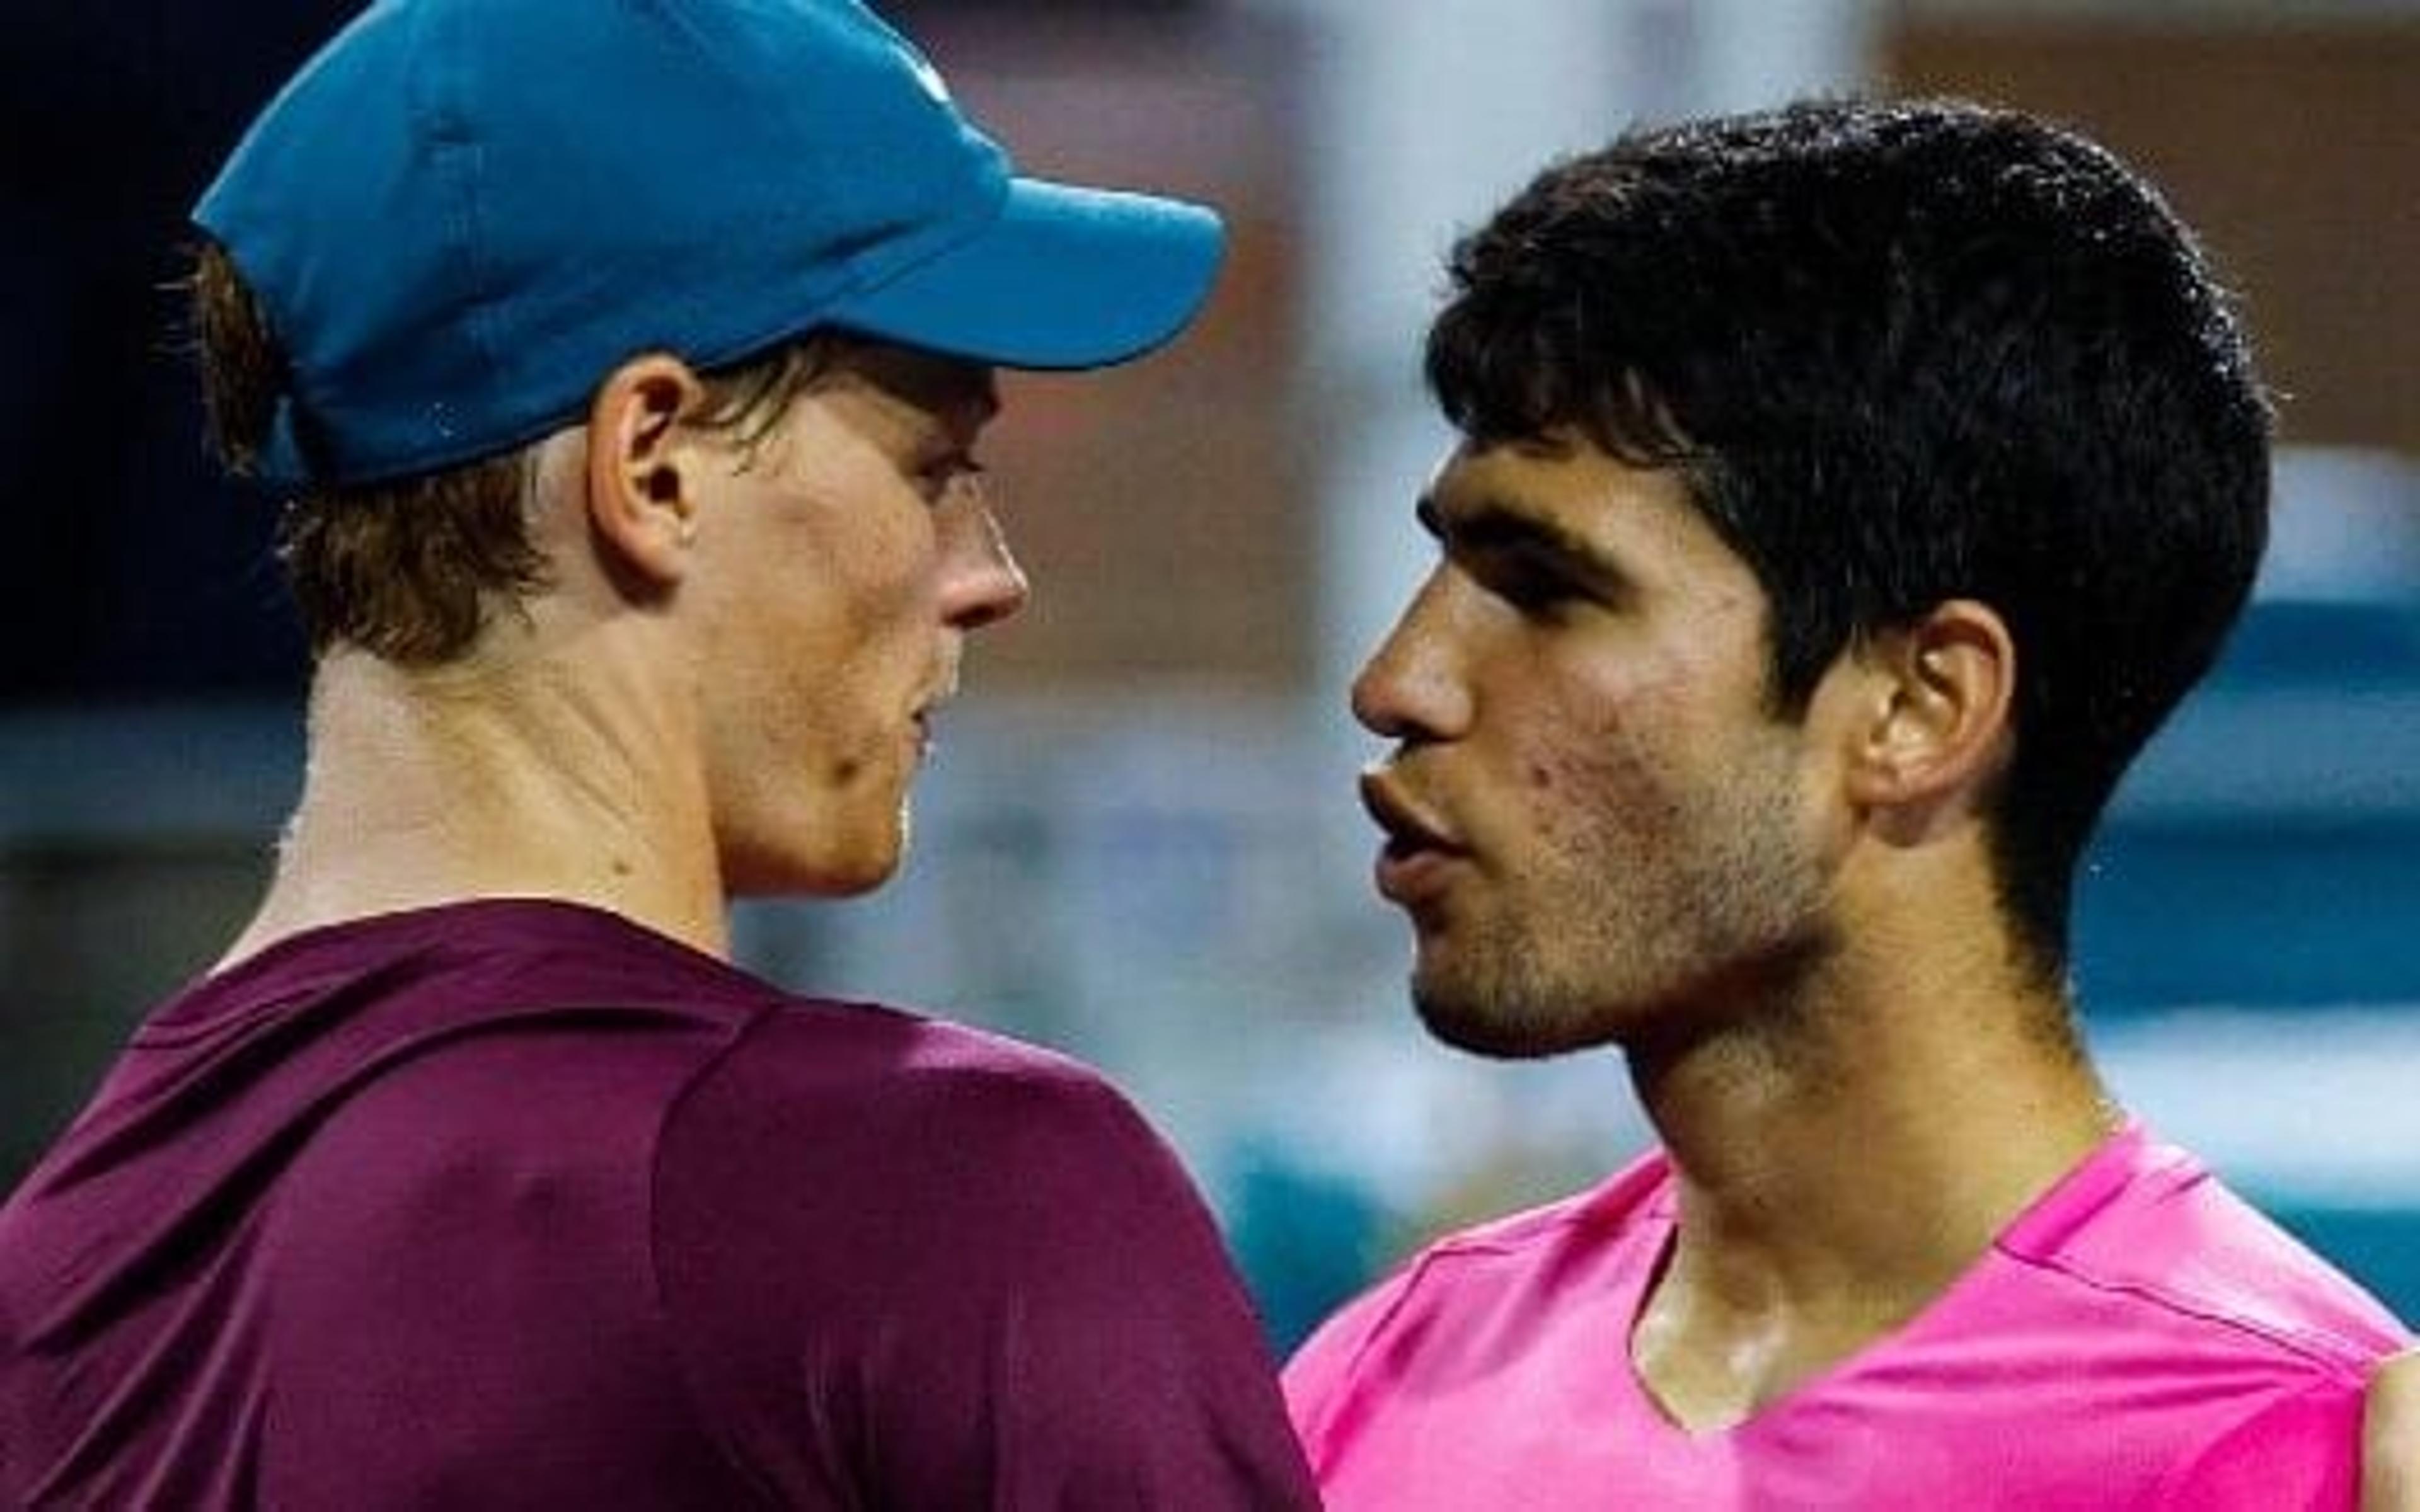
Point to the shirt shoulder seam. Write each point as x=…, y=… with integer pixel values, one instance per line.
x=2330, y=1355
x=1489, y=1243
x=694, y=1391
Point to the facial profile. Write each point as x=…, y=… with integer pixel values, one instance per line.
x=1590, y=809
x=843, y=556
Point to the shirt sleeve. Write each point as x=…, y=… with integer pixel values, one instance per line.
x=1318, y=1378
x=2301, y=1451
x=966, y=1278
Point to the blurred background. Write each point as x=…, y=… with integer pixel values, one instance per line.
x=1139, y=841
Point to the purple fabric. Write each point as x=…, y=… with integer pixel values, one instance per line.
x=514, y=1203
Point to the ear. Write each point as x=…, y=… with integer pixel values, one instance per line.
x=1935, y=726
x=643, y=494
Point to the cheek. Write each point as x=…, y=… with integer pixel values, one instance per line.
x=893, y=578
x=846, y=639
x=1603, y=792
x=1600, y=740
x=859, y=548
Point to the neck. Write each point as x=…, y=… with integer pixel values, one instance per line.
x=1851, y=1143
x=1884, y=1140
x=549, y=779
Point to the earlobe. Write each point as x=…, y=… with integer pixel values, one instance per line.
x=1940, y=718
x=642, y=496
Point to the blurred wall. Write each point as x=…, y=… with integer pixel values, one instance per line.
x=2284, y=134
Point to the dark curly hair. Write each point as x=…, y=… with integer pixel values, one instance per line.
x=1903, y=353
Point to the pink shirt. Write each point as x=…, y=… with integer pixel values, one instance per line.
x=2139, y=1337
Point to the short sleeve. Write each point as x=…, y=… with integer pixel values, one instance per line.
x=938, y=1271
x=2301, y=1452
x=1317, y=1377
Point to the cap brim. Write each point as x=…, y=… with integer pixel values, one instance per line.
x=1065, y=277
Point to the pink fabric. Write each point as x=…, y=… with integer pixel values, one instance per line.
x=2139, y=1337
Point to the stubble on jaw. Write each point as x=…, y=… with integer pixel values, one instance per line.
x=1664, y=920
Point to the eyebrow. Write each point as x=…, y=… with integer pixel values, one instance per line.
x=980, y=400
x=1489, y=527
x=960, y=397
x=951, y=424
x=957, y=406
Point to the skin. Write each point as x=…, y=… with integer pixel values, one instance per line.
x=1578, y=687
x=2390, y=1454
x=724, y=689
x=815, y=736
x=1603, y=832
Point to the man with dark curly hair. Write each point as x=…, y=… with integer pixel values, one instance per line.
x=1843, y=495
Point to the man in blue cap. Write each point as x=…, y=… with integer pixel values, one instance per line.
x=625, y=362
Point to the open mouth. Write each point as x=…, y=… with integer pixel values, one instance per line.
x=1418, y=851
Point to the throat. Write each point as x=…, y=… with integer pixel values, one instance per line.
x=1709, y=1363
x=1779, y=1274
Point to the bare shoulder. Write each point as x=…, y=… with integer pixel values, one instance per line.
x=2390, y=1474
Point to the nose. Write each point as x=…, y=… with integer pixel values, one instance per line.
x=982, y=583
x=1413, y=687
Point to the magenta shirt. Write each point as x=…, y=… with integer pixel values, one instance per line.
x=515, y=1204
x=2137, y=1338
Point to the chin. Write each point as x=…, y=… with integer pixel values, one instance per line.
x=1494, y=1025
x=845, y=870
x=803, y=883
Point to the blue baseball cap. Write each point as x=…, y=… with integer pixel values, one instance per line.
x=462, y=214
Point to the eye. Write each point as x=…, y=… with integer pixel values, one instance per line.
x=938, y=475
x=1526, y=581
